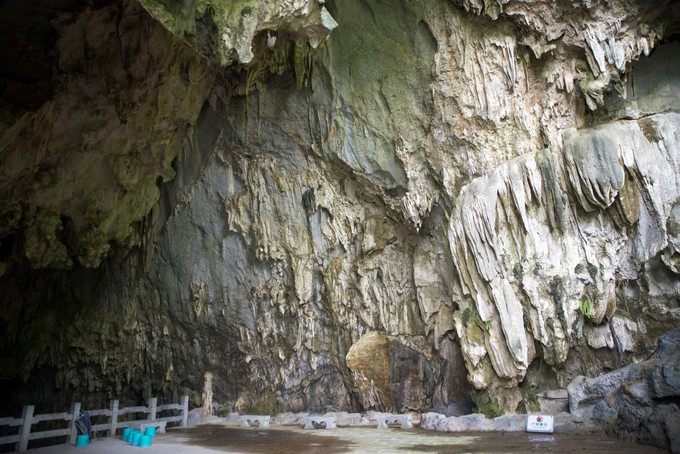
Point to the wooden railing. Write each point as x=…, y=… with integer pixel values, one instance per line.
x=113, y=415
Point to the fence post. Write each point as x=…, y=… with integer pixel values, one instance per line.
x=153, y=401
x=114, y=418
x=75, y=414
x=27, y=415
x=185, y=410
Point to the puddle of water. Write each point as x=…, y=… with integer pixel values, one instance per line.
x=231, y=439
x=289, y=440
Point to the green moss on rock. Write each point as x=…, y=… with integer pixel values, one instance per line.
x=42, y=247
x=529, y=402
x=485, y=405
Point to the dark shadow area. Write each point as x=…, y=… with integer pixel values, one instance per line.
x=230, y=439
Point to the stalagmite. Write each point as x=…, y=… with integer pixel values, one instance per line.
x=207, y=397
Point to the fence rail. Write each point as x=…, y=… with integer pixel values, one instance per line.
x=113, y=414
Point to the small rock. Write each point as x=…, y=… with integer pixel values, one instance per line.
x=430, y=420
x=510, y=422
x=195, y=416
x=232, y=418
x=476, y=422
x=365, y=421
x=345, y=419
x=290, y=419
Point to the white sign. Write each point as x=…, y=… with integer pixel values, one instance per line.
x=540, y=423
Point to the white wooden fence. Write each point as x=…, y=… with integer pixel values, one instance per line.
x=113, y=414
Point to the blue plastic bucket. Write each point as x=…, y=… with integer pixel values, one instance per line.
x=136, y=437
x=82, y=440
x=126, y=434
x=145, y=441
x=150, y=431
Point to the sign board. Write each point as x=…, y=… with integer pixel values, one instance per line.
x=540, y=423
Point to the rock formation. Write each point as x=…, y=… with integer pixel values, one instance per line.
x=350, y=204
x=639, y=401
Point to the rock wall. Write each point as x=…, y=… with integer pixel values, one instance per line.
x=539, y=268
x=637, y=402
x=389, y=206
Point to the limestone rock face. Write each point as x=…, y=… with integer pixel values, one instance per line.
x=390, y=206
x=225, y=30
x=637, y=401
x=554, y=265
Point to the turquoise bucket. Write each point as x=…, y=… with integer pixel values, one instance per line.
x=126, y=434
x=145, y=441
x=136, y=438
x=82, y=440
x=130, y=434
x=150, y=431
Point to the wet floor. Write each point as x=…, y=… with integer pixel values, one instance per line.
x=288, y=440
x=254, y=440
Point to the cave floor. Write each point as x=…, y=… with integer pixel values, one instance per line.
x=218, y=438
